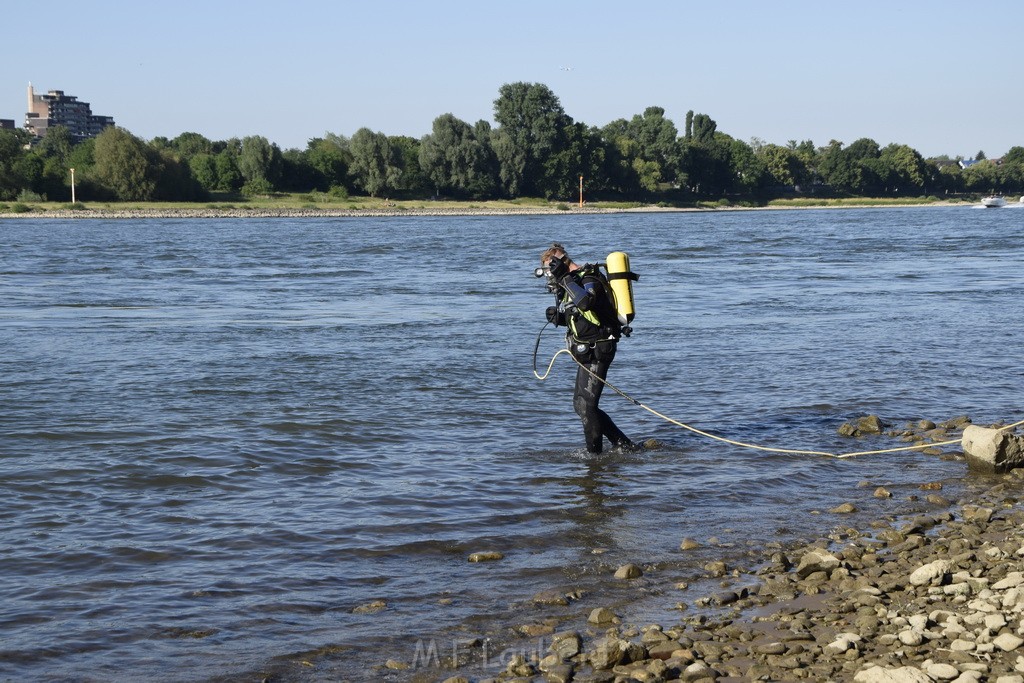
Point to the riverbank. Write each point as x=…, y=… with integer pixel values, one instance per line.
x=393, y=209
x=933, y=596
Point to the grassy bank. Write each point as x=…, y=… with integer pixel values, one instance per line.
x=320, y=202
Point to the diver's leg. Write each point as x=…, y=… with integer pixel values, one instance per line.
x=584, y=401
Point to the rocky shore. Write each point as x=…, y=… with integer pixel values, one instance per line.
x=397, y=210
x=924, y=598
x=301, y=213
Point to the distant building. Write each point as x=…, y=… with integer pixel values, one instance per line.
x=6, y=124
x=967, y=163
x=57, y=109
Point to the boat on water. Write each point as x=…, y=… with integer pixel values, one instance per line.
x=993, y=202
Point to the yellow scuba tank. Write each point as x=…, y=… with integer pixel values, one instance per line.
x=620, y=278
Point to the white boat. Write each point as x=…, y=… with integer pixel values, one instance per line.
x=993, y=202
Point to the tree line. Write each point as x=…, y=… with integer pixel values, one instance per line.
x=536, y=150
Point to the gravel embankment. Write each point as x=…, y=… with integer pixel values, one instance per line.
x=923, y=599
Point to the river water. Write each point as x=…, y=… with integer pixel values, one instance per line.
x=218, y=438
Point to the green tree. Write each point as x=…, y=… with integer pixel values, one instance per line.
x=175, y=182
x=376, y=166
x=188, y=145
x=621, y=151
x=123, y=165
x=329, y=158
x=582, y=154
x=704, y=128
x=854, y=169
x=229, y=178
x=259, y=162
x=456, y=160
x=12, y=163
x=407, y=150
x=531, y=129
x=204, y=170
x=746, y=167
x=907, y=171
x=982, y=177
x=1015, y=155
x=656, y=136
x=704, y=158
x=950, y=178
x=783, y=164
x=56, y=144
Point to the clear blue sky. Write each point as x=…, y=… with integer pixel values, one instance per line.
x=942, y=76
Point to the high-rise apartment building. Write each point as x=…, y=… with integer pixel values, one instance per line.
x=57, y=109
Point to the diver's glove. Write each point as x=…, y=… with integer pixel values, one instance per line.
x=555, y=316
x=558, y=269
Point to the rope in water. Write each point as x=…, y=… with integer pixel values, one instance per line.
x=733, y=442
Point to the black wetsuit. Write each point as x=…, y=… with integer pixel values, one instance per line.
x=585, y=308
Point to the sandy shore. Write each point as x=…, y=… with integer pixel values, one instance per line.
x=934, y=596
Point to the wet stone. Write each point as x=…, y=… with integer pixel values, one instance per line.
x=371, y=607
x=688, y=544
x=551, y=597
x=486, y=556
x=601, y=615
x=628, y=571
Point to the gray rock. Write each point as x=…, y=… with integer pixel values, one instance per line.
x=486, y=556
x=371, y=607
x=608, y=653
x=551, y=597
x=992, y=450
x=932, y=574
x=903, y=674
x=566, y=644
x=601, y=615
x=688, y=544
x=816, y=560
x=628, y=571
x=1007, y=642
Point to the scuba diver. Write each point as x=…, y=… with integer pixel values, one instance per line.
x=584, y=305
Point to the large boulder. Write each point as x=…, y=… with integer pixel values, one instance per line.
x=992, y=450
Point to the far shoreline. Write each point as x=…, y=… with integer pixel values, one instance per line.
x=210, y=212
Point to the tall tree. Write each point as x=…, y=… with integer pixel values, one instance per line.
x=746, y=166
x=124, y=166
x=407, y=152
x=12, y=154
x=376, y=166
x=456, y=160
x=582, y=154
x=229, y=178
x=531, y=123
x=259, y=162
x=329, y=157
x=1015, y=155
x=188, y=145
x=907, y=171
x=657, y=152
x=704, y=128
